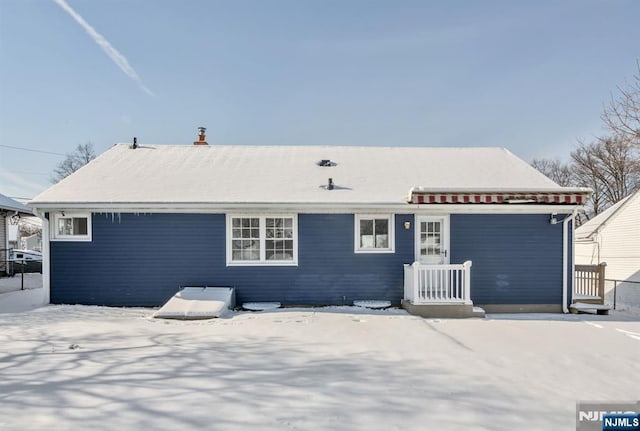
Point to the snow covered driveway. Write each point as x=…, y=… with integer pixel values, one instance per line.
x=77, y=368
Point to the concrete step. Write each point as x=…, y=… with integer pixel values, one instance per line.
x=478, y=312
x=584, y=307
x=443, y=310
x=587, y=299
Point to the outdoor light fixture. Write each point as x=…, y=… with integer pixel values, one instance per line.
x=554, y=218
x=407, y=225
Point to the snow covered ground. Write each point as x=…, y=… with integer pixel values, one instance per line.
x=11, y=284
x=14, y=299
x=77, y=367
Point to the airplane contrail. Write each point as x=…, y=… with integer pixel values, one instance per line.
x=115, y=55
x=16, y=179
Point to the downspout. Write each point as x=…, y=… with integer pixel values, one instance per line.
x=46, y=273
x=565, y=252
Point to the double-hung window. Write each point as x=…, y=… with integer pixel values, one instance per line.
x=262, y=240
x=374, y=233
x=71, y=227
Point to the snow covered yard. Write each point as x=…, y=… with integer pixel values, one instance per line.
x=11, y=284
x=76, y=367
x=14, y=299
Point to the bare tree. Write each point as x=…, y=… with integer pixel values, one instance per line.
x=610, y=167
x=82, y=155
x=26, y=227
x=557, y=170
x=622, y=115
x=585, y=172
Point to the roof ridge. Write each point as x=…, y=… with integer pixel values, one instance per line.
x=305, y=146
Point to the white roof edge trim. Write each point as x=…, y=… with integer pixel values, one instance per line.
x=321, y=208
x=186, y=205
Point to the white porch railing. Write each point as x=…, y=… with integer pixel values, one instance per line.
x=438, y=284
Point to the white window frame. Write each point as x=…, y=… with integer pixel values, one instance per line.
x=392, y=237
x=55, y=236
x=263, y=237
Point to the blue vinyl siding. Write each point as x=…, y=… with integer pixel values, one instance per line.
x=142, y=260
x=517, y=259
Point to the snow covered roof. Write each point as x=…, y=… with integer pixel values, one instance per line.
x=226, y=175
x=594, y=225
x=7, y=203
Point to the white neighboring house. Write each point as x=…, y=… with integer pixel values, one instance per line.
x=10, y=212
x=613, y=237
x=32, y=242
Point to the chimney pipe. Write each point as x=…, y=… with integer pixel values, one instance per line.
x=201, y=136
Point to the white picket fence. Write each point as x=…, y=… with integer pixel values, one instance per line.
x=438, y=284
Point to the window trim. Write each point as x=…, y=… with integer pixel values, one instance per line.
x=262, y=239
x=392, y=233
x=55, y=236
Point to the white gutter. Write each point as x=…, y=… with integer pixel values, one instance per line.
x=565, y=246
x=339, y=208
x=46, y=274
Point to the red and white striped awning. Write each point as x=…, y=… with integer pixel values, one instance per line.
x=547, y=198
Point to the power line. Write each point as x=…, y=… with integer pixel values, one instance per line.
x=27, y=173
x=35, y=151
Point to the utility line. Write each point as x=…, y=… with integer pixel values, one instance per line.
x=35, y=151
x=27, y=173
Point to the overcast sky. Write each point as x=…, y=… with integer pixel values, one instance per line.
x=531, y=76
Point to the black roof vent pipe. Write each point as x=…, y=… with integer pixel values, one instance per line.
x=326, y=163
x=330, y=185
x=135, y=143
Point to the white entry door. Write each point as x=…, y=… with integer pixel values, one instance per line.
x=432, y=240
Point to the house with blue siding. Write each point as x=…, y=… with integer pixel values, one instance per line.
x=434, y=229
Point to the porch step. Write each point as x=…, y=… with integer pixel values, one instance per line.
x=443, y=310
x=583, y=307
x=580, y=297
x=587, y=299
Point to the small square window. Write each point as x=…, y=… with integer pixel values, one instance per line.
x=71, y=227
x=374, y=234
